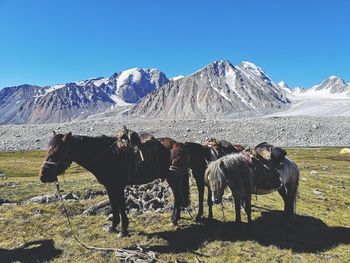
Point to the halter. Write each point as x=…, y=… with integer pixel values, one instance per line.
x=47, y=164
x=56, y=165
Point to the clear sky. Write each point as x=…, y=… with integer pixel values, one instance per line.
x=56, y=41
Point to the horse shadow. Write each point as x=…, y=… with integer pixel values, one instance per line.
x=35, y=251
x=305, y=234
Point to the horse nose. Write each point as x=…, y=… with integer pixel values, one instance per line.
x=43, y=176
x=43, y=179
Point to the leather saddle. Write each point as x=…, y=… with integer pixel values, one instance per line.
x=272, y=158
x=270, y=155
x=146, y=156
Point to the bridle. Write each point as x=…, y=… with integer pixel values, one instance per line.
x=62, y=165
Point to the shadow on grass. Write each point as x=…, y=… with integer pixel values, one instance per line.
x=304, y=234
x=35, y=251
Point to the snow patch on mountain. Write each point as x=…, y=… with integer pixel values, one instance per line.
x=176, y=77
x=330, y=98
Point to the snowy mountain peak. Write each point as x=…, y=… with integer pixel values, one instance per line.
x=334, y=80
x=298, y=90
x=334, y=77
x=251, y=66
x=332, y=85
x=218, y=68
x=284, y=87
x=282, y=84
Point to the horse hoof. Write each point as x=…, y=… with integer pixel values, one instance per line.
x=175, y=223
x=111, y=229
x=198, y=219
x=123, y=234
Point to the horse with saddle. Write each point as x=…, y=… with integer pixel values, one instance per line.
x=131, y=158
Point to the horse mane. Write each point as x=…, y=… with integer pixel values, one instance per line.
x=223, y=169
x=97, y=143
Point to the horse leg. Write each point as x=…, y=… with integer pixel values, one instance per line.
x=175, y=187
x=237, y=209
x=210, y=205
x=200, y=187
x=283, y=193
x=292, y=191
x=115, y=211
x=248, y=208
x=121, y=206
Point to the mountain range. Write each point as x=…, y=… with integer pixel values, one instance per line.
x=219, y=90
x=62, y=103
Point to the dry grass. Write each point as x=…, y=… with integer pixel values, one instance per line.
x=320, y=232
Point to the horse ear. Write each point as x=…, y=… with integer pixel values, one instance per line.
x=54, y=133
x=66, y=137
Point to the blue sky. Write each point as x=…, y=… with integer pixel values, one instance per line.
x=47, y=42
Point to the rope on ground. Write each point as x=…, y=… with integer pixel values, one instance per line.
x=188, y=210
x=222, y=211
x=137, y=255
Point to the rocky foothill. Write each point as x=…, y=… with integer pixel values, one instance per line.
x=282, y=131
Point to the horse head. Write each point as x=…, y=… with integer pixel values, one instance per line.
x=57, y=158
x=215, y=178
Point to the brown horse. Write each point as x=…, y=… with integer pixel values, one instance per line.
x=115, y=165
x=200, y=156
x=179, y=163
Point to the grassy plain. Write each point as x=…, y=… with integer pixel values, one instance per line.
x=320, y=231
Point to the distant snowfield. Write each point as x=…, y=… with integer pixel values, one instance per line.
x=320, y=105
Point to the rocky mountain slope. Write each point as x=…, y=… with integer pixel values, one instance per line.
x=218, y=90
x=60, y=103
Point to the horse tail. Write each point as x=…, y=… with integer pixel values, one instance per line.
x=295, y=174
x=296, y=190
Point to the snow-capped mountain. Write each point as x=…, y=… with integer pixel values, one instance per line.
x=60, y=103
x=330, y=98
x=220, y=89
x=331, y=87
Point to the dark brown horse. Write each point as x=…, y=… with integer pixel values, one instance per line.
x=179, y=157
x=115, y=165
x=200, y=156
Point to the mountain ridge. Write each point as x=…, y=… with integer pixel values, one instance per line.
x=218, y=90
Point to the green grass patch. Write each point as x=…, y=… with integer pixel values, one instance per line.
x=320, y=232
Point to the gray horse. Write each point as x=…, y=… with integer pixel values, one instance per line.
x=244, y=175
